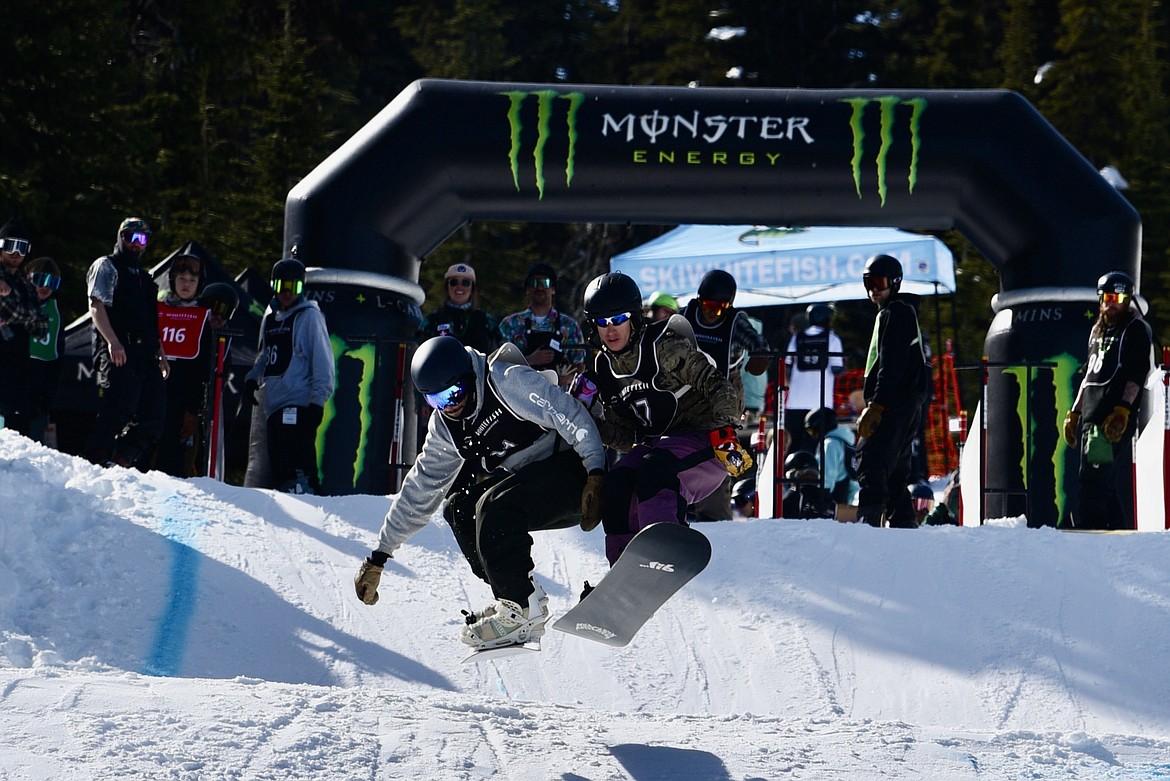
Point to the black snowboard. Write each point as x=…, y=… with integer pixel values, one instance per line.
x=659, y=561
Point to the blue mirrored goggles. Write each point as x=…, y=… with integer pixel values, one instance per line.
x=45, y=279
x=602, y=322
x=445, y=399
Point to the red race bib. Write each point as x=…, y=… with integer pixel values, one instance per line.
x=180, y=329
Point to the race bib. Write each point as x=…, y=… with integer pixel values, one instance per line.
x=180, y=330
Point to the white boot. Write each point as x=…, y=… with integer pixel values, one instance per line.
x=471, y=616
x=506, y=623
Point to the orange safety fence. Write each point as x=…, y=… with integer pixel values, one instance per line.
x=942, y=454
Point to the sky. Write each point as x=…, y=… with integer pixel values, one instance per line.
x=155, y=628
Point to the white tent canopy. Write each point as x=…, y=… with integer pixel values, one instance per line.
x=774, y=266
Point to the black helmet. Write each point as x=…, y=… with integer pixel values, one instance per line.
x=819, y=314
x=289, y=268
x=1115, y=282
x=820, y=422
x=921, y=490
x=717, y=285
x=800, y=461
x=743, y=492
x=221, y=298
x=439, y=363
x=612, y=294
x=884, y=266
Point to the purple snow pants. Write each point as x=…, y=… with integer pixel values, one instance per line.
x=654, y=483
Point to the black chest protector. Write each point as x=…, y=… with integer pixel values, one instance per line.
x=278, y=344
x=536, y=340
x=715, y=340
x=812, y=351
x=134, y=314
x=469, y=326
x=494, y=434
x=636, y=397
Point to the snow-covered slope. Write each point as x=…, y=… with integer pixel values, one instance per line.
x=159, y=628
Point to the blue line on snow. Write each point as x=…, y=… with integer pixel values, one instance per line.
x=170, y=640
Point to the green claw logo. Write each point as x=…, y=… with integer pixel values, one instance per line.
x=366, y=355
x=886, y=107
x=1062, y=379
x=544, y=115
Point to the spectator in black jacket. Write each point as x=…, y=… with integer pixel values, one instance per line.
x=1102, y=420
x=459, y=316
x=21, y=319
x=128, y=361
x=895, y=384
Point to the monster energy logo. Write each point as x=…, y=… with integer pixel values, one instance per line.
x=1062, y=379
x=365, y=354
x=886, y=106
x=544, y=115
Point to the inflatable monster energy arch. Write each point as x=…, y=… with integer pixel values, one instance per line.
x=983, y=162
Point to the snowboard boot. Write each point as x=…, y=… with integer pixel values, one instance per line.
x=471, y=616
x=505, y=622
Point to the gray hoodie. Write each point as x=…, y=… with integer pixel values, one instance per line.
x=532, y=397
x=310, y=374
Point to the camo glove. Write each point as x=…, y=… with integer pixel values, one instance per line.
x=730, y=453
x=1115, y=424
x=591, y=500
x=370, y=573
x=869, y=420
x=1072, y=423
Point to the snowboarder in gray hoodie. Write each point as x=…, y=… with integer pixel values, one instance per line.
x=512, y=453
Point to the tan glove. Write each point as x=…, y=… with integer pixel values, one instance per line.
x=869, y=420
x=1072, y=423
x=730, y=453
x=591, y=501
x=366, y=582
x=1116, y=422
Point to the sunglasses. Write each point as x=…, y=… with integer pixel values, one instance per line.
x=714, y=307
x=459, y=282
x=603, y=322
x=45, y=279
x=876, y=283
x=294, y=286
x=15, y=246
x=541, y=282
x=445, y=399
x=1115, y=298
x=141, y=238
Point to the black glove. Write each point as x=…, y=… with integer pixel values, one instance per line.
x=250, y=388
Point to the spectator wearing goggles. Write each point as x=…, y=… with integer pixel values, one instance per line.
x=895, y=387
x=1102, y=423
x=728, y=336
x=129, y=363
x=548, y=338
x=21, y=320
x=295, y=368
